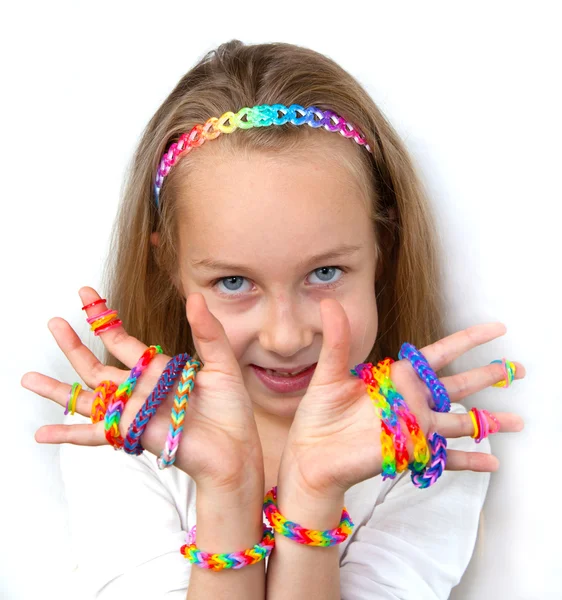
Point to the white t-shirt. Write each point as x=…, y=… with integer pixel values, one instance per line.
x=129, y=519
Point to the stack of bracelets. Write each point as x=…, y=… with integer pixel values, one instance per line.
x=426, y=466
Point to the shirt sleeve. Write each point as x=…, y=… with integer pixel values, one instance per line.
x=417, y=543
x=125, y=527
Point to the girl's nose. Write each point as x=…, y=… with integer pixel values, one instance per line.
x=285, y=329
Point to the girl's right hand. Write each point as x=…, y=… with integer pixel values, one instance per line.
x=220, y=446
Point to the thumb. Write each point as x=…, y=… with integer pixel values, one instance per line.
x=214, y=348
x=336, y=335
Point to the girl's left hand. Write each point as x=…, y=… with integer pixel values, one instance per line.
x=334, y=441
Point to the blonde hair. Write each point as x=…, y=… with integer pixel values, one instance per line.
x=141, y=279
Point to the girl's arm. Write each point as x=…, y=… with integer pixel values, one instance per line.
x=227, y=523
x=298, y=571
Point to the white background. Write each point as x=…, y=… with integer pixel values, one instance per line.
x=473, y=89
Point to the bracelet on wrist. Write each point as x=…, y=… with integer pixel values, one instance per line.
x=297, y=533
x=232, y=560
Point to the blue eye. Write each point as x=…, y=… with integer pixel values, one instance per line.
x=231, y=283
x=234, y=283
x=328, y=275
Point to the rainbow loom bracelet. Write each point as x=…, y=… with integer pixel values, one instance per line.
x=309, y=537
x=509, y=370
x=165, y=382
x=181, y=397
x=102, y=397
x=427, y=374
x=233, y=560
x=387, y=389
x=122, y=395
x=422, y=476
x=261, y=115
x=392, y=452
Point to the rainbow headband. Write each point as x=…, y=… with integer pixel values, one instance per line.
x=261, y=115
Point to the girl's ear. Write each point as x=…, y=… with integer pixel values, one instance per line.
x=155, y=238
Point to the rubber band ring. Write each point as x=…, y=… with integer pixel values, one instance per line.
x=72, y=396
x=109, y=326
x=94, y=303
x=476, y=432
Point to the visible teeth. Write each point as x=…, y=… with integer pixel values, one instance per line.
x=284, y=374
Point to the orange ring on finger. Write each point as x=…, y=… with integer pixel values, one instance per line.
x=475, y=423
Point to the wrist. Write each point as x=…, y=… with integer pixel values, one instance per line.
x=308, y=507
x=229, y=522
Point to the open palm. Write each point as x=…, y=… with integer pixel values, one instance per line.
x=220, y=446
x=334, y=441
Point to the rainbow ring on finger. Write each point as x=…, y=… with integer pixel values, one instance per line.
x=72, y=396
x=481, y=421
x=427, y=374
x=509, y=369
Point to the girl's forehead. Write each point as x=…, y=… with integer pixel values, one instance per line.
x=260, y=196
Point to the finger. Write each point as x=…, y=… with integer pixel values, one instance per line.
x=83, y=360
x=464, y=384
x=118, y=342
x=448, y=349
x=58, y=392
x=80, y=435
x=214, y=348
x=336, y=333
x=451, y=425
x=457, y=460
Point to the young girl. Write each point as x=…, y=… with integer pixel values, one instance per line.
x=261, y=253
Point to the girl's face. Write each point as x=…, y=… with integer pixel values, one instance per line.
x=267, y=220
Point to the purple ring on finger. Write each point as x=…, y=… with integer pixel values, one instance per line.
x=173, y=369
x=442, y=402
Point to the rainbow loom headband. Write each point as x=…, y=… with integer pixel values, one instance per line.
x=261, y=115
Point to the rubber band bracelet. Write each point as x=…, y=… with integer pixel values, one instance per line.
x=122, y=395
x=162, y=388
x=392, y=450
x=429, y=463
x=103, y=395
x=297, y=533
x=181, y=397
x=427, y=374
x=233, y=560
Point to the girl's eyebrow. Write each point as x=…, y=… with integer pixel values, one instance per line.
x=211, y=264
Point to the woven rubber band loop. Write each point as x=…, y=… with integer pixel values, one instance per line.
x=262, y=115
x=232, y=560
x=162, y=388
x=181, y=398
x=309, y=537
x=121, y=397
x=427, y=374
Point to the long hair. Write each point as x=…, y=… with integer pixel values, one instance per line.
x=141, y=280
